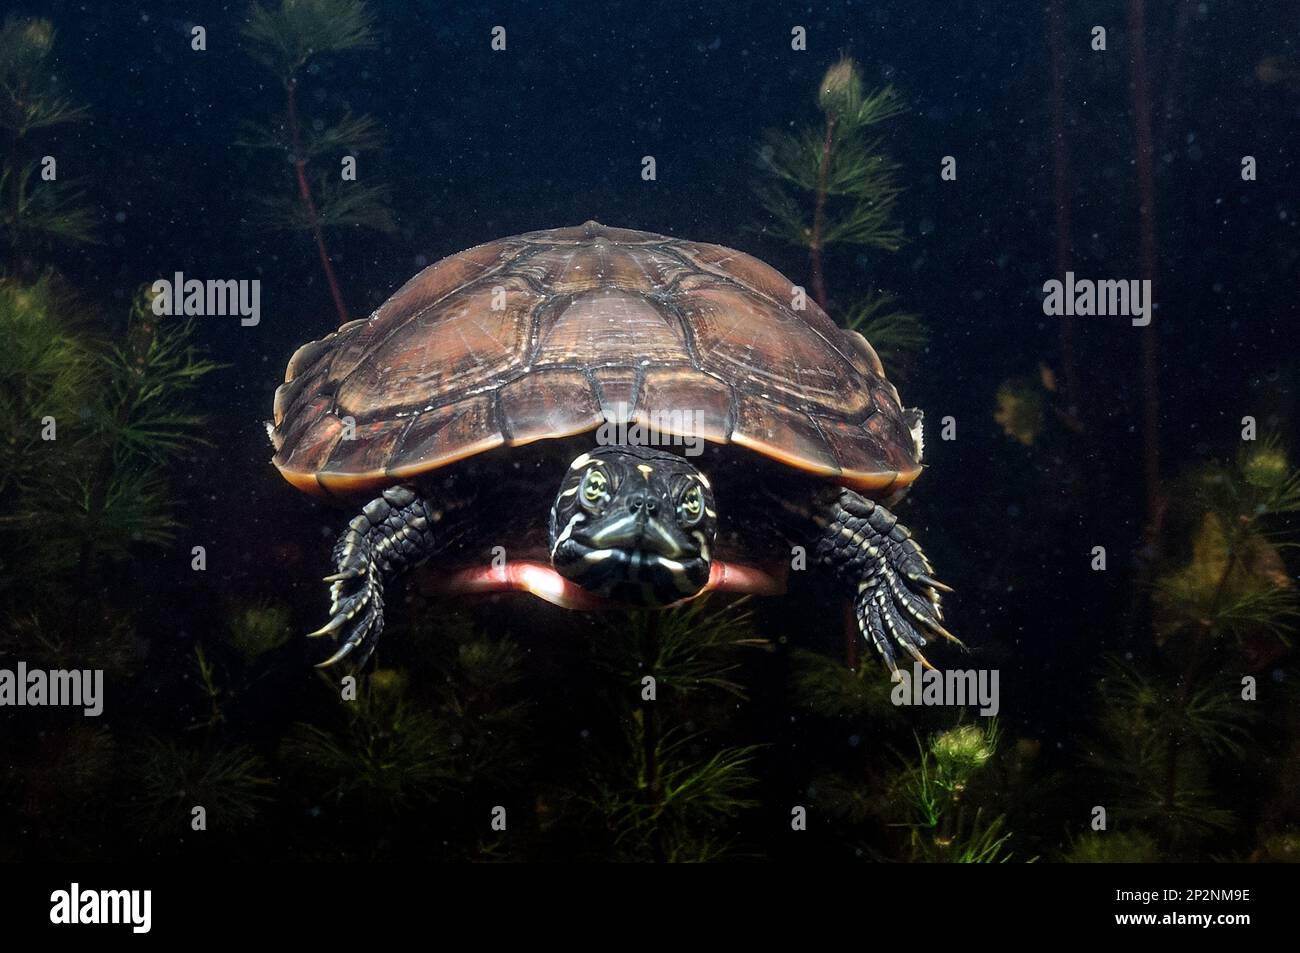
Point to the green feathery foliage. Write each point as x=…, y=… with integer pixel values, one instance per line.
x=1146, y=723
x=1235, y=584
x=1224, y=596
x=351, y=134
x=148, y=378
x=336, y=204
x=664, y=790
x=841, y=168
x=34, y=210
x=30, y=98
x=384, y=752
x=168, y=781
x=46, y=371
x=89, y=429
x=1119, y=847
x=387, y=753
x=38, y=210
x=834, y=184
x=258, y=628
x=694, y=647
x=284, y=37
x=827, y=687
x=127, y=433
x=944, y=827
x=898, y=336
x=672, y=801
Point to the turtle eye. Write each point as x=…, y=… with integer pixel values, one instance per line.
x=692, y=505
x=595, y=487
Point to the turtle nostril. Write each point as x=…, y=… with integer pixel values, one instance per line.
x=641, y=500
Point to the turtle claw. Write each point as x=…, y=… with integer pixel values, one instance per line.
x=933, y=583
x=346, y=574
x=935, y=627
x=357, y=615
x=333, y=625
x=338, y=656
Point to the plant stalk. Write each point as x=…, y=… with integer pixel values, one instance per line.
x=819, y=217
x=650, y=735
x=1147, y=266
x=1064, y=233
x=304, y=192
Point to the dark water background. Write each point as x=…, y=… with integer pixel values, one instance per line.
x=483, y=145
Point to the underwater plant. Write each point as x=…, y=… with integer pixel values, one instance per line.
x=1223, y=607
x=1020, y=410
x=91, y=427
x=285, y=38
x=385, y=752
x=838, y=168
x=943, y=827
x=46, y=369
x=662, y=788
x=388, y=752
x=36, y=207
x=258, y=628
x=1158, y=738
x=834, y=184
x=139, y=422
x=1119, y=847
x=1234, y=583
x=168, y=781
x=54, y=788
x=896, y=335
x=948, y=803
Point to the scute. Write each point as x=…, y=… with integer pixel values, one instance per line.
x=572, y=269
x=549, y=403
x=608, y=322
x=551, y=333
x=447, y=349
x=447, y=434
x=739, y=337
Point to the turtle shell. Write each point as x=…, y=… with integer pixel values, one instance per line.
x=552, y=333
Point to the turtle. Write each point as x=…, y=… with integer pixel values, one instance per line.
x=606, y=418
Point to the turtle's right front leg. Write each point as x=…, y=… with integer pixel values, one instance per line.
x=895, y=597
x=393, y=533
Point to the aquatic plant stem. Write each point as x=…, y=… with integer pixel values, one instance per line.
x=1196, y=655
x=1069, y=408
x=1147, y=266
x=819, y=217
x=304, y=192
x=97, y=496
x=650, y=735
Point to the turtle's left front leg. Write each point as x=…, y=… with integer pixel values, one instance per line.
x=391, y=534
x=895, y=596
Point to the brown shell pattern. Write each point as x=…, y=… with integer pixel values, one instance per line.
x=549, y=334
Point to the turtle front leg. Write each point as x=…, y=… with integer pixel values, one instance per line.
x=895, y=597
x=393, y=533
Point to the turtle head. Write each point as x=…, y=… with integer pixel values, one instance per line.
x=634, y=524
